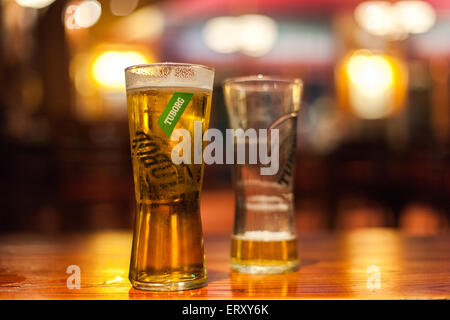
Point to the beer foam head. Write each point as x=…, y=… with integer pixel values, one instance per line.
x=169, y=74
x=266, y=203
x=265, y=236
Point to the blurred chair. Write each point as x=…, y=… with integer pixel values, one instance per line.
x=422, y=220
x=356, y=212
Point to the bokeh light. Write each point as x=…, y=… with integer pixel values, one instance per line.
x=258, y=34
x=145, y=23
x=221, y=34
x=108, y=67
x=395, y=21
x=371, y=84
x=88, y=13
x=378, y=18
x=123, y=7
x=415, y=16
x=254, y=35
x=370, y=70
x=36, y=4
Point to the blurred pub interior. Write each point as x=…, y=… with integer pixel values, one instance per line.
x=374, y=132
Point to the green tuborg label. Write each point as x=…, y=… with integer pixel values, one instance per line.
x=173, y=111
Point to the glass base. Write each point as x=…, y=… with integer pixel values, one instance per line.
x=265, y=269
x=169, y=286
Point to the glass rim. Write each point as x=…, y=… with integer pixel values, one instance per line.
x=261, y=78
x=167, y=64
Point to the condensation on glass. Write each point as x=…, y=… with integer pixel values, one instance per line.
x=167, y=252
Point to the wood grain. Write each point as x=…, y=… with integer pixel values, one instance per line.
x=332, y=266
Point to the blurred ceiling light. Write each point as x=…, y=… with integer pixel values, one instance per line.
x=371, y=86
x=254, y=35
x=146, y=23
x=87, y=13
x=36, y=4
x=370, y=70
x=395, y=21
x=258, y=34
x=221, y=34
x=123, y=7
x=415, y=16
x=378, y=18
x=108, y=68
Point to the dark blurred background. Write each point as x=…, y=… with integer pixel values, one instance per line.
x=373, y=147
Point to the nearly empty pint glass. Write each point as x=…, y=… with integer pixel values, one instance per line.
x=264, y=238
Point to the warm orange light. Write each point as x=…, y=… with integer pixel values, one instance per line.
x=146, y=23
x=371, y=85
x=108, y=68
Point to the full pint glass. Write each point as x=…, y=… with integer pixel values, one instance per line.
x=264, y=238
x=167, y=252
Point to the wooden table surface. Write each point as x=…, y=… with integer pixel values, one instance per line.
x=332, y=266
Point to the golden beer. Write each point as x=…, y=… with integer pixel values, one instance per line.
x=255, y=251
x=167, y=249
